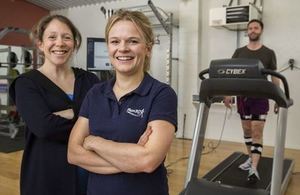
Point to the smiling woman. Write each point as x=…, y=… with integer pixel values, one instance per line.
x=48, y=99
x=140, y=29
x=126, y=125
x=127, y=48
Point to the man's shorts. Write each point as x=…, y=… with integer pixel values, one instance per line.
x=252, y=108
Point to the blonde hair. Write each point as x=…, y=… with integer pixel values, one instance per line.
x=141, y=22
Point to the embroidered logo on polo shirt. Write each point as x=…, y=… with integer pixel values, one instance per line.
x=135, y=112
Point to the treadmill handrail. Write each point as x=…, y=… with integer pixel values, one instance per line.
x=264, y=72
x=281, y=77
x=202, y=73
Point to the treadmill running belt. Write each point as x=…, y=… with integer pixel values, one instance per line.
x=236, y=177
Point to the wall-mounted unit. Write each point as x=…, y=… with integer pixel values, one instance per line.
x=233, y=17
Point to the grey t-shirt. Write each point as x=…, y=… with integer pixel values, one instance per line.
x=264, y=54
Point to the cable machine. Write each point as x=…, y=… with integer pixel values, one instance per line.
x=160, y=20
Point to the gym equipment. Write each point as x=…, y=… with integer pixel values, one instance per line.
x=10, y=121
x=12, y=59
x=162, y=24
x=27, y=58
x=247, y=77
x=8, y=128
x=6, y=30
x=291, y=65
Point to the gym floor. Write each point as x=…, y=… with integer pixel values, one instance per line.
x=176, y=163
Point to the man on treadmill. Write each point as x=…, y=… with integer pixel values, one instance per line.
x=253, y=111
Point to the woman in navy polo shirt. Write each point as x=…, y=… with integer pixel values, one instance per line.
x=126, y=125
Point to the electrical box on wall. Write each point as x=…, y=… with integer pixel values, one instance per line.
x=233, y=17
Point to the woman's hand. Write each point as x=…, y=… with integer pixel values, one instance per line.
x=68, y=114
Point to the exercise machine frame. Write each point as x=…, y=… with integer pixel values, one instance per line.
x=231, y=77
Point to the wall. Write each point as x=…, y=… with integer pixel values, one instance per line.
x=189, y=55
x=20, y=14
x=91, y=23
x=197, y=45
x=281, y=34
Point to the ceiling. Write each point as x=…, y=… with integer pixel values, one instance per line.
x=63, y=4
x=52, y=5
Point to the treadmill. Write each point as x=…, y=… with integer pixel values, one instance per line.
x=233, y=77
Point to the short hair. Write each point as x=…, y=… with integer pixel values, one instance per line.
x=140, y=21
x=257, y=21
x=38, y=30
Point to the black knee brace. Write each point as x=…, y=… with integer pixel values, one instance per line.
x=248, y=141
x=254, y=117
x=256, y=148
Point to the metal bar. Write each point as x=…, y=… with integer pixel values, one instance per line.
x=290, y=66
x=279, y=152
x=22, y=31
x=258, y=10
x=4, y=32
x=13, y=29
x=8, y=63
x=170, y=49
x=287, y=178
x=159, y=17
x=159, y=26
x=11, y=128
x=197, y=143
x=2, y=50
x=167, y=26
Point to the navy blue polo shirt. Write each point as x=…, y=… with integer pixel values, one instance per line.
x=125, y=121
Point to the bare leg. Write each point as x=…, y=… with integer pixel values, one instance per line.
x=246, y=125
x=257, y=137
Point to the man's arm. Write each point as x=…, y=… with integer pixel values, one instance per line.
x=275, y=80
